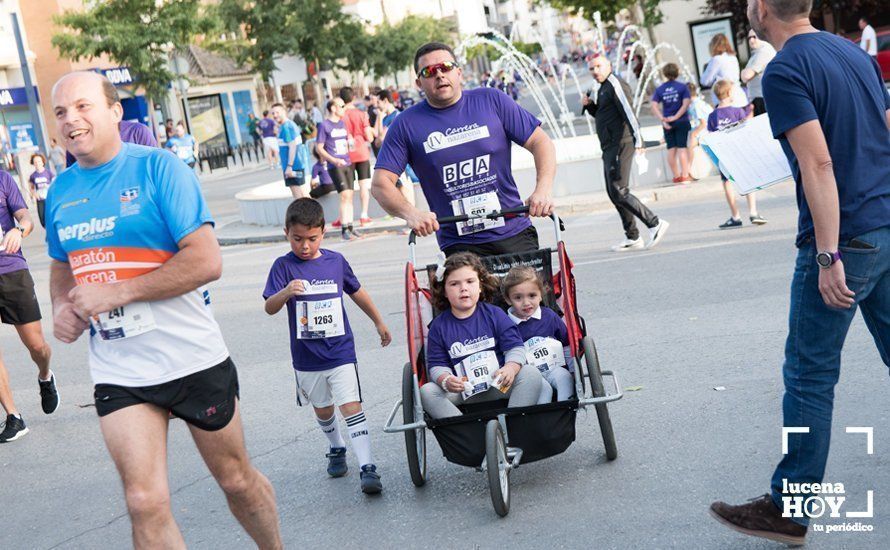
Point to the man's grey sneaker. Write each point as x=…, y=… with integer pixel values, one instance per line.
x=337, y=462
x=370, y=480
x=14, y=429
x=49, y=395
x=757, y=219
x=731, y=223
x=760, y=518
x=629, y=244
x=657, y=233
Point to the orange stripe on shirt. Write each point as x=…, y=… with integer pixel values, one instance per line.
x=113, y=254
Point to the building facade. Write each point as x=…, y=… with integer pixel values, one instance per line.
x=19, y=134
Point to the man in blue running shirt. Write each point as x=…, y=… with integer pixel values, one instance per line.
x=132, y=247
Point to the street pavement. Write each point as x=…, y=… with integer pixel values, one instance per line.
x=706, y=309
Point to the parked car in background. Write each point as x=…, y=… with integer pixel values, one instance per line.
x=884, y=52
x=883, y=49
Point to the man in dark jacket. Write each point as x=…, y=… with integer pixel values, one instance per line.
x=619, y=133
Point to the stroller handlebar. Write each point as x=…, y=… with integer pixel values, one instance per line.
x=519, y=210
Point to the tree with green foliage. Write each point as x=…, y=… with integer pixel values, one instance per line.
x=392, y=47
x=838, y=9
x=492, y=54
x=324, y=34
x=139, y=34
x=609, y=8
x=257, y=32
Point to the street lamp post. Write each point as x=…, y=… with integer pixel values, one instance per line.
x=182, y=83
x=29, y=85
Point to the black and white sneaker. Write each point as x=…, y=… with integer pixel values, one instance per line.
x=49, y=395
x=731, y=223
x=14, y=429
x=629, y=244
x=757, y=219
x=657, y=233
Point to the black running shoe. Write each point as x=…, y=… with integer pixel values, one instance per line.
x=337, y=462
x=757, y=220
x=14, y=429
x=49, y=395
x=731, y=223
x=370, y=480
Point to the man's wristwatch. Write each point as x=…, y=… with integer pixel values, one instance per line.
x=827, y=259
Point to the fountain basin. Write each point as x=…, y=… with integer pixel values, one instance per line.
x=579, y=171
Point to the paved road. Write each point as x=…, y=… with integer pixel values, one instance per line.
x=706, y=309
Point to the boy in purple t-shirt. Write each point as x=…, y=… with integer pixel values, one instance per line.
x=670, y=104
x=311, y=282
x=724, y=116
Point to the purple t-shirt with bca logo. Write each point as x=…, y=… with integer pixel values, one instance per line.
x=11, y=201
x=320, y=335
x=462, y=156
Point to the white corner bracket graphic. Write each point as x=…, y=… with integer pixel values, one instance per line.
x=869, y=436
x=791, y=430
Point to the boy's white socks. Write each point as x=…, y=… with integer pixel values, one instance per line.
x=361, y=440
x=331, y=429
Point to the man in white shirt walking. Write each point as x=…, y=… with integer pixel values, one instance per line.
x=761, y=54
x=869, y=39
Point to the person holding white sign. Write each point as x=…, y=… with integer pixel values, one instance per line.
x=474, y=351
x=721, y=118
x=544, y=333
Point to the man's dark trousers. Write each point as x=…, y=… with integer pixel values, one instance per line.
x=617, y=162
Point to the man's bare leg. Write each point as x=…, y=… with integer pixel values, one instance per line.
x=365, y=194
x=5, y=392
x=31, y=334
x=250, y=495
x=136, y=437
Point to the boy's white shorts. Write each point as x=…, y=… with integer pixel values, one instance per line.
x=336, y=386
x=270, y=143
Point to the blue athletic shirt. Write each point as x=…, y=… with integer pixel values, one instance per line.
x=820, y=76
x=288, y=133
x=183, y=147
x=124, y=219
